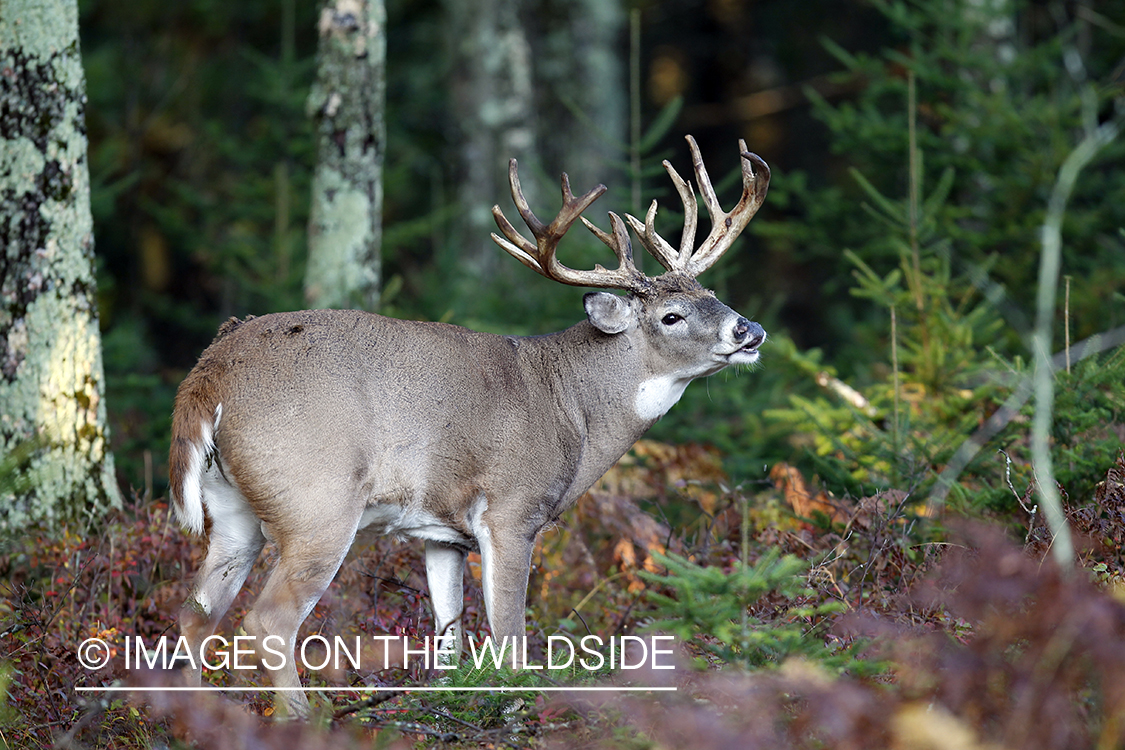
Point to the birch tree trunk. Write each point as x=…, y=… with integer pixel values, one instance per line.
x=57, y=464
x=347, y=102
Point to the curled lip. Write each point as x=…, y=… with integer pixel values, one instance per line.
x=742, y=355
x=750, y=348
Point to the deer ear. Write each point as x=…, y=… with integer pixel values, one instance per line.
x=609, y=313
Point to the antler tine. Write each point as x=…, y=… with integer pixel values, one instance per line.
x=657, y=245
x=517, y=245
x=618, y=242
x=725, y=227
x=541, y=255
x=691, y=213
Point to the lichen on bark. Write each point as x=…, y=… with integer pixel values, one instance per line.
x=347, y=103
x=53, y=435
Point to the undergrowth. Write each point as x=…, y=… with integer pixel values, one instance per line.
x=858, y=615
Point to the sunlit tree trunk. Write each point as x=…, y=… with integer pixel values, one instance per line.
x=57, y=464
x=347, y=102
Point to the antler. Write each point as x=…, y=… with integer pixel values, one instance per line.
x=725, y=227
x=541, y=255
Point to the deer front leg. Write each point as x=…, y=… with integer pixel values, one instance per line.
x=445, y=573
x=505, y=555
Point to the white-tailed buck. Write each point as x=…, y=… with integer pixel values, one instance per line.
x=305, y=427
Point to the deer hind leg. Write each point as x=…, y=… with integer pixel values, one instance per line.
x=235, y=542
x=310, y=555
x=445, y=573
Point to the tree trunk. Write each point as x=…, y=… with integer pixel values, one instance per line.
x=580, y=53
x=347, y=102
x=57, y=464
x=493, y=108
x=519, y=67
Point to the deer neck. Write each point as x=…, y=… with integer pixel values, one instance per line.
x=599, y=385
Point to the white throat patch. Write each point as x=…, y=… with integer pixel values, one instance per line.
x=656, y=396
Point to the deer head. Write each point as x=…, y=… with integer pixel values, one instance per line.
x=674, y=309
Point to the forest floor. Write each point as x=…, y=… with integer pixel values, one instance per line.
x=858, y=623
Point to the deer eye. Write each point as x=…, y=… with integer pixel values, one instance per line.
x=671, y=319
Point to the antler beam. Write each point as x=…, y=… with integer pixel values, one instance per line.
x=541, y=255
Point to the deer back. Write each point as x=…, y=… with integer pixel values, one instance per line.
x=387, y=410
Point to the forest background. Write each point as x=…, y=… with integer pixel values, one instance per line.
x=201, y=153
x=917, y=151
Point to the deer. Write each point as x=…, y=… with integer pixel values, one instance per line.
x=304, y=428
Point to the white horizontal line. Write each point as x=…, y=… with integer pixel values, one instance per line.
x=500, y=689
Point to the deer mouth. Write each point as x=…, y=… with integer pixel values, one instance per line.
x=748, y=353
x=755, y=341
x=750, y=348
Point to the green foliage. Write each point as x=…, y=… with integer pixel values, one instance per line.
x=216, y=181
x=141, y=438
x=996, y=117
x=938, y=266
x=922, y=407
x=1089, y=423
x=709, y=607
x=8, y=714
x=479, y=709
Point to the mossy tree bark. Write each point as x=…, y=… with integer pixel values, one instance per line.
x=53, y=435
x=347, y=102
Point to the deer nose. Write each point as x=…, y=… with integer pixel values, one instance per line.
x=749, y=332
